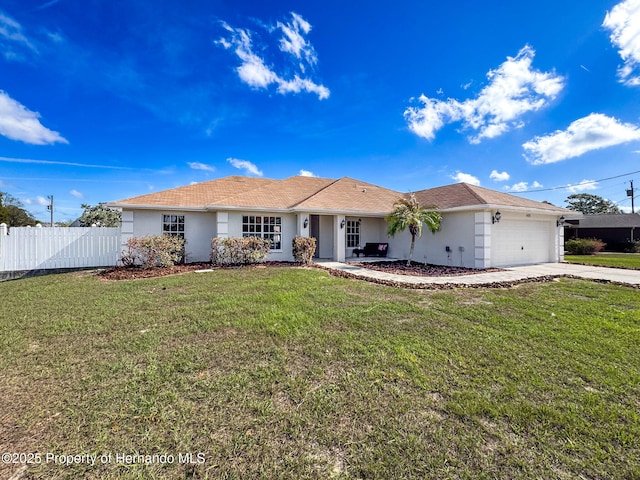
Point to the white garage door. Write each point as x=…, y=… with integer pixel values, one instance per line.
x=522, y=242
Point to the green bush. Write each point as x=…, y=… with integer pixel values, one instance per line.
x=239, y=251
x=303, y=249
x=584, y=246
x=153, y=251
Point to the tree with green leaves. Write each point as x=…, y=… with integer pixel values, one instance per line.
x=12, y=212
x=590, y=204
x=409, y=214
x=99, y=215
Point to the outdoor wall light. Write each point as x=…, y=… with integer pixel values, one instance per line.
x=496, y=217
x=342, y=223
x=560, y=221
x=306, y=222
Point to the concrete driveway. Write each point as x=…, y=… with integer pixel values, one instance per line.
x=507, y=276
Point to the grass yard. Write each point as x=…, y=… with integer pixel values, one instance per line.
x=291, y=373
x=617, y=260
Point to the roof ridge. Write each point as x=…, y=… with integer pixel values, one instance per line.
x=236, y=194
x=471, y=189
x=333, y=182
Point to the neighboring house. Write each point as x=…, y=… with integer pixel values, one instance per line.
x=481, y=228
x=618, y=231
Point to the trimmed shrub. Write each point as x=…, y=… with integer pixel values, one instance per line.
x=303, y=249
x=153, y=251
x=239, y=251
x=584, y=246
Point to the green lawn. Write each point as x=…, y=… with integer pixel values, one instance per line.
x=617, y=260
x=292, y=373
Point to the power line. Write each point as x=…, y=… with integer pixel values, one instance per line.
x=590, y=182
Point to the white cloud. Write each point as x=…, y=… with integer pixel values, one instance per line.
x=12, y=39
x=298, y=85
x=499, y=176
x=592, y=132
x=523, y=186
x=254, y=70
x=70, y=164
x=465, y=178
x=76, y=193
x=513, y=90
x=306, y=173
x=583, y=186
x=42, y=201
x=201, y=166
x=624, y=23
x=19, y=123
x=294, y=41
x=245, y=165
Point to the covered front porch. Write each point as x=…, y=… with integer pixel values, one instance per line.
x=337, y=236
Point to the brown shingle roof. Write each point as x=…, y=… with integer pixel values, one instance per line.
x=298, y=192
x=199, y=194
x=280, y=195
x=348, y=194
x=464, y=195
x=320, y=194
x=617, y=220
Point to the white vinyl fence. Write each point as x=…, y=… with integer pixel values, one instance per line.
x=44, y=248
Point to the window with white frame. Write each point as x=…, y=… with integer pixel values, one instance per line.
x=173, y=225
x=266, y=227
x=353, y=233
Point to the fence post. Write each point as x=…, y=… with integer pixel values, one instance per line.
x=3, y=233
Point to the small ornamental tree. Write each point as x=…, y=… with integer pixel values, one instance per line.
x=409, y=214
x=100, y=215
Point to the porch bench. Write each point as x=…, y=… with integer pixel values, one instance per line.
x=372, y=250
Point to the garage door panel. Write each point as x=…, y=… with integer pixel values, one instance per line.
x=518, y=242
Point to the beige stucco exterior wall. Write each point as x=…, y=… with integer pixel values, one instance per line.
x=199, y=229
x=289, y=230
x=457, y=232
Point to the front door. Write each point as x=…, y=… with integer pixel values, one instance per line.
x=314, y=231
x=321, y=228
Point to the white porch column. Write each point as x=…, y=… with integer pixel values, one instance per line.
x=339, y=238
x=222, y=224
x=482, y=240
x=560, y=244
x=301, y=230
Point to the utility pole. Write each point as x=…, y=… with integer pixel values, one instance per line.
x=50, y=207
x=630, y=194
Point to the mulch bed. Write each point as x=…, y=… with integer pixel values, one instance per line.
x=398, y=267
x=133, y=273
x=421, y=270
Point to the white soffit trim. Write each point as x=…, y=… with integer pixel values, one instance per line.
x=508, y=208
x=164, y=208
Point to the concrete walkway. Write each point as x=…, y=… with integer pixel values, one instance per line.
x=508, y=276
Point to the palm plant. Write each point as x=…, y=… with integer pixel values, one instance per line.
x=408, y=213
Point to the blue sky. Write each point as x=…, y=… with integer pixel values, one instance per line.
x=103, y=100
